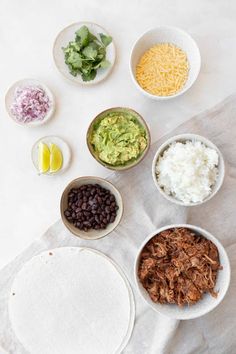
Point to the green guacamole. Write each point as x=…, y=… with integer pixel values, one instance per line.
x=118, y=138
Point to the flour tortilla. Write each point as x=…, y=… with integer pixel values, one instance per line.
x=71, y=300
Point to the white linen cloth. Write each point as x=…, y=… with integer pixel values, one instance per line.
x=146, y=210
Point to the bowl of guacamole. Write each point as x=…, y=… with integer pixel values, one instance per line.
x=118, y=138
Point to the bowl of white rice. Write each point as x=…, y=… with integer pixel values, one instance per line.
x=188, y=169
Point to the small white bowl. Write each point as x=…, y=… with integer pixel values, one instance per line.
x=91, y=234
x=9, y=98
x=167, y=34
x=184, y=138
x=67, y=35
x=63, y=146
x=202, y=307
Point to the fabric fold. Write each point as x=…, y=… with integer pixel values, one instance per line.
x=146, y=210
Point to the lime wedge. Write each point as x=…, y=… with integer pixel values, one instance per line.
x=43, y=157
x=55, y=158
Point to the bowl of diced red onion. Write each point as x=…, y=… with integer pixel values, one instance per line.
x=29, y=102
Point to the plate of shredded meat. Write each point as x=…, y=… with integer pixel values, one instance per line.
x=182, y=271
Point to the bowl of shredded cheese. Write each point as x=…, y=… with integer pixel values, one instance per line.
x=188, y=169
x=165, y=62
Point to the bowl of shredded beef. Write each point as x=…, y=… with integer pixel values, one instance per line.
x=182, y=271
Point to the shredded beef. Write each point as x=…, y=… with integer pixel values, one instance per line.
x=178, y=266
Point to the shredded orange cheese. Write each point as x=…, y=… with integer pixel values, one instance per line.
x=163, y=70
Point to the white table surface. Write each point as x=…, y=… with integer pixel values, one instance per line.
x=29, y=203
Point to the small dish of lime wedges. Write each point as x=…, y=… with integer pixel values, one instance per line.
x=50, y=155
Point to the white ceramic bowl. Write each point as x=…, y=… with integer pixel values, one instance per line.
x=63, y=146
x=202, y=307
x=9, y=98
x=167, y=34
x=67, y=35
x=184, y=138
x=91, y=234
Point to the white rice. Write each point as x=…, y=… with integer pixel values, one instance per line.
x=188, y=171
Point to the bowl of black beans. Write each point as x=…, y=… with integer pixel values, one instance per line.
x=91, y=207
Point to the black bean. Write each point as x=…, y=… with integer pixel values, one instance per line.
x=83, y=206
x=87, y=224
x=112, y=219
x=107, y=209
x=91, y=207
x=97, y=219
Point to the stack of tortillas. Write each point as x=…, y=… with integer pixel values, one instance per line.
x=71, y=300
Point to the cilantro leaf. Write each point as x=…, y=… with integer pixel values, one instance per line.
x=106, y=40
x=89, y=76
x=89, y=52
x=73, y=71
x=105, y=64
x=82, y=36
x=86, y=68
x=75, y=60
x=92, y=38
x=95, y=45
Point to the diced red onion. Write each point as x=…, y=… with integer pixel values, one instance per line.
x=31, y=103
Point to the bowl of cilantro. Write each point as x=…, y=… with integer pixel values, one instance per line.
x=84, y=53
